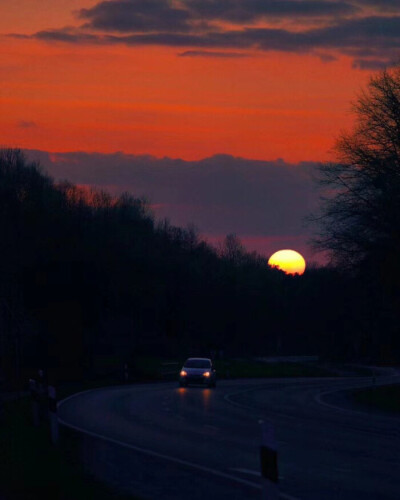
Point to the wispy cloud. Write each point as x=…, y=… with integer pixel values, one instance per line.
x=209, y=53
x=26, y=124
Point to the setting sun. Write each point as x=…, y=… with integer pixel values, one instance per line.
x=289, y=261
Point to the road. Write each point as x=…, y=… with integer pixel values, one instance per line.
x=165, y=442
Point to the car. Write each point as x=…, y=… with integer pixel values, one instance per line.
x=198, y=371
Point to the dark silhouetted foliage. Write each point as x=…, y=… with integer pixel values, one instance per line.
x=86, y=276
x=360, y=216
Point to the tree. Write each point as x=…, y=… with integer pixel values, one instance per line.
x=232, y=249
x=359, y=219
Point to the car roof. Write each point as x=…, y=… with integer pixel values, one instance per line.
x=199, y=359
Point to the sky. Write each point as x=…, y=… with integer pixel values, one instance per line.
x=215, y=110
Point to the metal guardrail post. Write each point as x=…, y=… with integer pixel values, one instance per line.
x=126, y=373
x=269, y=462
x=33, y=388
x=53, y=417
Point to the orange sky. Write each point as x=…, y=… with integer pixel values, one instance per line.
x=147, y=100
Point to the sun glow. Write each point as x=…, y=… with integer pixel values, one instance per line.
x=289, y=261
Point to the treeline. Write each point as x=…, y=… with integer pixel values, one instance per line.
x=85, y=275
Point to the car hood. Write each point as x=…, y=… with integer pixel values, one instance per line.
x=196, y=371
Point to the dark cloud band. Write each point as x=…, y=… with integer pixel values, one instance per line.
x=212, y=53
x=137, y=16
x=220, y=194
x=150, y=15
x=369, y=36
x=240, y=11
x=364, y=34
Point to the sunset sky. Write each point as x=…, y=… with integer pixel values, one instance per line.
x=246, y=80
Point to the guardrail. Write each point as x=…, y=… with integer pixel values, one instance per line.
x=288, y=359
x=170, y=368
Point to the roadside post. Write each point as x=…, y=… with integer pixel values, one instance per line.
x=42, y=395
x=52, y=396
x=33, y=388
x=1, y=407
x=269, y=462
x=126, y=373
x=41, y=380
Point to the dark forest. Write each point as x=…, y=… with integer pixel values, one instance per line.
x=86, y=275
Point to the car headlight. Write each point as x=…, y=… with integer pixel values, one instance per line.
x=206, y=374
x=183, y=373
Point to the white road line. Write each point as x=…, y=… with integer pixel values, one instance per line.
x=248, y=471
x=162, y=456
x=258, y=474
x=141, y=387
x=319, y=399
x=60, y=403
x=227, y=398
x=287, y=497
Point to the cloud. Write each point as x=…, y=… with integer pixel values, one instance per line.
x=327, y=58
x=374, y=64
x=207, y=53
x=381, y=5
x=220, y=195
x=362, y=30
x=240, y=11
x=381, y=31
x=26, y=124
x=371, y=36
x=63, y=35
x=136, y=15
x=164, y=15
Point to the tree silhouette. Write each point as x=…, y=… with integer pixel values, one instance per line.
x=84, y=274
x=360, y=216
x=359, y=219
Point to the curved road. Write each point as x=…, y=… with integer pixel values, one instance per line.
x=161, y=441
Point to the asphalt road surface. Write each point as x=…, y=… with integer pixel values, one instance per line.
x=161, y=441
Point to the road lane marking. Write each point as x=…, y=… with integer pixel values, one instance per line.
x=258, y=474
x=211, y=427
x=318, y=398
x=60, y=403
x=227, y=398
x=287, y=497
x=247, y=471
x=155, y=454
x=141, y=387
x=251, y=472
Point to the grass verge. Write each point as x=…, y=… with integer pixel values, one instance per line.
x=153, y=369
x=32, y=468
x=241, y=368
x=385, y=398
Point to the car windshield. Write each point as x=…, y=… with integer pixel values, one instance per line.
x=197, y=363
